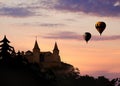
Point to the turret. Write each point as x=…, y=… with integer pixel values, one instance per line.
x=36, y=52
x=56, y=55
x=36, y=48
x=56, y=50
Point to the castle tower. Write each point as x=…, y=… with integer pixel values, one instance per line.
x=36, y=53
x=56, y=53
x=56, y=50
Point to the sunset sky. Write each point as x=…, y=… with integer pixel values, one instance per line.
x=65, y=21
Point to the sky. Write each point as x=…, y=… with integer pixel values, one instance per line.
x=65, y=22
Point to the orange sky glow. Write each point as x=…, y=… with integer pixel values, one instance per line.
x=21, y=21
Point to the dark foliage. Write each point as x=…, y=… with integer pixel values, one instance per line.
x=15, y=70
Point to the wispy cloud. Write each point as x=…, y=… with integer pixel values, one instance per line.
x=64, y=35
x=107, y=74
x=43, y=24
x=96, y=7
x=104, y=38
x=20, y=9
x=75, y=36
x=51, y=25
x=15, y=12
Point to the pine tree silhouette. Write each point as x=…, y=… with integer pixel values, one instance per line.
x=5, y=50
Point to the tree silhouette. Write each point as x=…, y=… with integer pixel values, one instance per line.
x=5, y=50
x=65, y=75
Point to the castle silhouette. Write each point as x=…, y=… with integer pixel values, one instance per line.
x=44, y=59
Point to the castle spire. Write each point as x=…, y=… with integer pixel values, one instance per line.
x=56, y=47
x=36, y=46
x=36, y=52
x=56, y=50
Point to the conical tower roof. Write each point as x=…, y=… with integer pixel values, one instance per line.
x=5, y=40
x=36, y=45
x=55, y=47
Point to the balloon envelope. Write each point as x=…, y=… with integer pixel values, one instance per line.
x=87, y=36
x=100, y=26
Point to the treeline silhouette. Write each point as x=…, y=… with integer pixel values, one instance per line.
x=15, y=70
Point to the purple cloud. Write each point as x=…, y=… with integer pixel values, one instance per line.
x=43, y=24
x=15, y=12
x=51, y=25
x=96, y=7
x=64, y=35
x=106, y=74
x=75, y=36
x=104, y=38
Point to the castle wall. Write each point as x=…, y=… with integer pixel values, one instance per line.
x=29, y=58
x=46, y=59
x=50, y=64
x=36, y=58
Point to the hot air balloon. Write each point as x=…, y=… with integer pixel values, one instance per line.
x=87, y=36
x=100, y=26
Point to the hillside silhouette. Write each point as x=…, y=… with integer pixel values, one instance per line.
x=15, y=70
